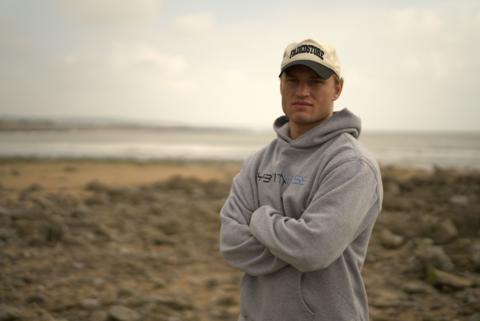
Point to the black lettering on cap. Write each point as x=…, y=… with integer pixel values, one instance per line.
x=307, y=49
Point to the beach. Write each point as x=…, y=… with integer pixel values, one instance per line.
x=105, y=240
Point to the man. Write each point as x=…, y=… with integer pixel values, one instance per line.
x=301, y=211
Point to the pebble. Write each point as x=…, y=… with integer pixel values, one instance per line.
x=459, y=200
x=475, y=254
x=8, y=313
x=390, y=240
x=96, y=186
x=211, y=283
x=4, y=211
x=169, y=226
x=99, y=316
x=90, y=304
x=174, y=303
x=35, y=299
x=98, y=282
x=433, y=255
x=387, y=298
x=444, y=279
x=225, y=300
x=474, y=317
x=121, y=313
x=444, y=232
x=417, y=287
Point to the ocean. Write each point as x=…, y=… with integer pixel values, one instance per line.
x=421, y=150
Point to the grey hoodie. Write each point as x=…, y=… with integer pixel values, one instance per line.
x=298, y=220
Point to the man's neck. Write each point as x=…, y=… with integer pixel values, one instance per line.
x=297, y=130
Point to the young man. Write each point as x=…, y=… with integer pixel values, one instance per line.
x=301, y=211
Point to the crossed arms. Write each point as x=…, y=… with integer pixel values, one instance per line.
x=259, y=240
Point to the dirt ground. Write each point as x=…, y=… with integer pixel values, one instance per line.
x=117, y=240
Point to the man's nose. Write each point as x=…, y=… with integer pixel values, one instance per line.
x=303, y=90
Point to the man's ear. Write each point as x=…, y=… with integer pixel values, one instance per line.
x=338, y=88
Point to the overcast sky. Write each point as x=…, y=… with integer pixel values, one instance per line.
x=408, y=65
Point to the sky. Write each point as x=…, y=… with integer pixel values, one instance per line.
x=408, y=65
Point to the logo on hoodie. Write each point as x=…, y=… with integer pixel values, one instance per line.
x=280, y=178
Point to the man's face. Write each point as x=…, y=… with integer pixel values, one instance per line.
x=307, y=99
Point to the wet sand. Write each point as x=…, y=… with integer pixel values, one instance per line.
x=118, y=240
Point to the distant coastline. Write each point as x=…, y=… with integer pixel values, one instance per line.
x=67, y=124
x=118, y=139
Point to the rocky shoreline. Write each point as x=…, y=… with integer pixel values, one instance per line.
x=149, y=251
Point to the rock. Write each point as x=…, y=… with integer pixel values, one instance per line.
x=124, y=293
x=444, y=232
x=35, y=299
x=169, y=226
x=417, y=287
x=447, y=280
x=391, y=187
x=432, y=255
x=225, y=300
x=80, y=211
x=475, y=254
x=97, y=199
x=25, y=229
x=8, y=313
x=43, y=202
x=174, y=303
x=6, y=234
x=387, y=298
x=474, y=317
x=211, y=283
x=53, y=232
x=121, y=313
x=459, y=200
x=159, y=240
x=90, y=304
x=4, y=211
x=390, y=240
x=96, y=186
x=99, y=316
x=394, y=203
x=159, y=283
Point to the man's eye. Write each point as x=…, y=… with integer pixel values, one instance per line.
x=317, y=82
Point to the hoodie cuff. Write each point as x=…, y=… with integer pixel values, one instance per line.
x=259, y=220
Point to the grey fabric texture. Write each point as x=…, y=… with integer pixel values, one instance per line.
x=298, y=221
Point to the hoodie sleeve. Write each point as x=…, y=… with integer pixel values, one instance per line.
x=346, y=199
x=237, y=244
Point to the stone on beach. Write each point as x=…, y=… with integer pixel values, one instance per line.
x=432, y=255
x=390, y=240
x=447, y=280
x=121, y=313
x=444, y=231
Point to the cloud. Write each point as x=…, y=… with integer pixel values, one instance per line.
x=109, y=12
x=408, y=67
x=195, y=22
x=144, y=56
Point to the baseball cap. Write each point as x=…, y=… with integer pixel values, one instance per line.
x=318, y=56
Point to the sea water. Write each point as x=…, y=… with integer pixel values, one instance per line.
x=427, y=150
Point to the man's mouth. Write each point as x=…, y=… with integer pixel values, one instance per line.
x=301, y=103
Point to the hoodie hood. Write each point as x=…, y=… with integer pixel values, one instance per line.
x=340, y=122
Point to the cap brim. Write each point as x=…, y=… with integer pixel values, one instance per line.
x=322, y=71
